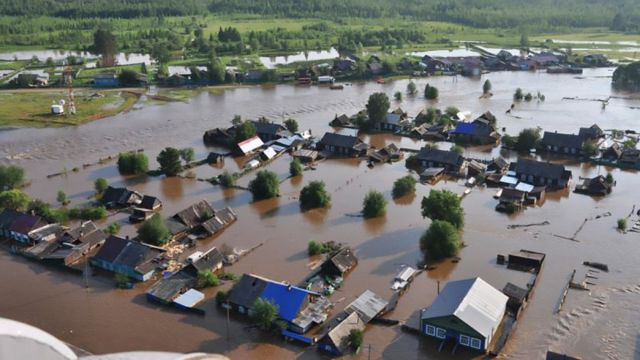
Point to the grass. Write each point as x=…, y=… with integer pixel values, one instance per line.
x=31, y=108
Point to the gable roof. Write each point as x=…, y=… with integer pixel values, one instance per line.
x=24, y=223
x=263, y=127
x=562, y=140
x=368, y=305
x=221, y=219
x=7, y=217
x=343, y=260
x=440, y=156
x=149, y=202
x=592, y=132
x=339, y=140
x=539, y=168
x=193, y=215
x=288, y=298
x=473, y=301
x=339, y=335
x=127, y=253
x=246, y=291
x=250, y=144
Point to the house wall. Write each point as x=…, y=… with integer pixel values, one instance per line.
x=132, y=273
x=461, y=334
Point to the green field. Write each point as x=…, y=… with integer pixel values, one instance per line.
x=32, y=108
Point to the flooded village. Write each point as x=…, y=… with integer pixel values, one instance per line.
x=543, y=268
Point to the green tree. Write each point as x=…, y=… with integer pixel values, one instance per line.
x=314, y=195
x=160, y=52
x=411, y=88
x=264, y=313
x=451, y=111
x=457, y=149
x=398, y=96
x=518, y=95
x=113, y=228
x=237, y=120
x=227, y=179
x=133, y=163
x=295, y=167
x=430, y=92
x=528, y=97
x=128, y=77
x=356, y=338
x=374, y=205
x=404, y=186
x=245, y=131
x=187, y=154
x=154, y=231
x=89, y=213
x=315, y=247
x=377, y=108
x=265, y=185
x=622, y=224
x=528, y=139
x=609, y=179
x=11, y=177
x=101, y=184
x=169, y=160
x=443, y=205
x=524, y=40
x=14, y=199
x=216, y=71
x=441, y=240
x=121, y=279
x=207, y=278
x=486, y=87
x=291, y=125
x=589, y=148
x=62, y=197
x=105, y=44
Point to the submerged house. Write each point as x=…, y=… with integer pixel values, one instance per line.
x=612, y=153
x=268, y=131
x=72, y=245
x=336, y=341
x=466, y=311
x=301, y=309
x=339, y=263
x=451, y=161
x=250, y=145
x=630, y=157
x=202, y=218
x=540, y=173
x=593, y=132
x=341, y=121
x=562, y=143
x=17, y=225
x=220, y=136
x=597, y=186
x=120, y=197
x=132, y=258
x=394, y=121
x=480, y=131
x=368, y=306
x=342, y=145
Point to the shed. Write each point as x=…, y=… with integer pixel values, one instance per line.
x=339, y=263
x=189, y=299
x=368, y=305
x=517, y=296
x=526, y=260
x=250, y=145
x=336, y=341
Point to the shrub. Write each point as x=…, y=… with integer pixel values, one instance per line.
x=89, y=213
x=62, y=197
x=518, y=95
x=404, y=186
x=443, y=205
x=169, y=160
x=441, y=240
x=527, y=139
x=154, y=231
x=133, y=163
x=374, y=205
x=207, y=278
x=397, y=96
x=411, y=88
x=589, y=148
x=227, y=179
x=11, y=177
x=291, y=125
x=14, y=199
x=100, y=185
x=245, y=131
x=622, y=224
x=609, y=179
x=264, y=313
x=430, y=92
x=295, y=167
x=113, y=228
x=315, y=247
x=486, y=87
x=265, y=185
x=121, y=279
x=314, y=196
x=457, y=149
x=187, y=154
x=355, y=339
x=221, y=297
x=227, y=276
x=452, y=111
x=528, y=97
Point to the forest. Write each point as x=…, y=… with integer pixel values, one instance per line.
x=534, y=14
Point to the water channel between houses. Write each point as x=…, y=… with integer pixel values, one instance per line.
x=600, y=323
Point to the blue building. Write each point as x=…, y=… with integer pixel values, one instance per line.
x=127, y=257
x=466, y=311
x=105, y=80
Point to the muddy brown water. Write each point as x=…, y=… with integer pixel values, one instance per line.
x=600, y=323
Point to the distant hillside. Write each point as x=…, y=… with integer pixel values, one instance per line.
x=537, y=14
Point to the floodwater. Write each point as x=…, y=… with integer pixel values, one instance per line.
x=42, y=55
x=459, y=52
x=270, y=62
x=598, y=324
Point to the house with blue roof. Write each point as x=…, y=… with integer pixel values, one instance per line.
x=481, y=131
x=301, y=309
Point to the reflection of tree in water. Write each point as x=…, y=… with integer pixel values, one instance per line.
x=172, y=187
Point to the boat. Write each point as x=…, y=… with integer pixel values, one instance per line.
x=336, y=87
x=380, y=80
x=497, y=194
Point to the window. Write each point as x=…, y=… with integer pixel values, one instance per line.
x=430, y=330
x=476, y=343
x=441, y=333
x=464, y=340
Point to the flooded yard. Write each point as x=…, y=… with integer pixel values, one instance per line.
x=600, y=323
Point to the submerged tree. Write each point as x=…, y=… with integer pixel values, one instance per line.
x=443, y=205
x=169, y=160
x=154, y=231
x=264, y=313
x=440, y=240
x=314, y=195
x=377, y=108
x=403, y=186
x=265, y=185
x=105, y=44
x=374, y=205
x=430, y=92
x=486, y=87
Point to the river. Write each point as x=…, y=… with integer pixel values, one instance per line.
x=598, y=324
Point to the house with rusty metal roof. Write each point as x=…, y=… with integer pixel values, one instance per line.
x=339, y=263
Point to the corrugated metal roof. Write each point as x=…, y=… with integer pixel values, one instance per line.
x=289, y=299
x=189, y=299
x=473, y=301
x=524, y=187
x=509, y=180
x=250, y=145
x=368, y=305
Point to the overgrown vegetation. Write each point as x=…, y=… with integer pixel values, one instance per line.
x=11, y=177
x=100, y=185
x=154, y=231
x=295, y=167
x=622, y=224
x=314, y=195
x=264, y=313
x=207, y=278
x=374, y=205
x=315, y=247
x=441, y=240
x=133, y=163
x=356, y=338
x=443, y=205
x=265, y=185
x=403, y=186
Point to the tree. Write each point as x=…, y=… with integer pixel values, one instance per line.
x=169, y=160
x=14, y=199
x=374, y=205
x=518, y=95
x=627, y=77
x=154, y=231
x=265, y=185
x=101, y=184
x=104, y=44
x=264, y=313
x=128, y=77
x=524, y=40
x=589, y=148
x=89, y=213
x=245, y=131
x=430, y=92
x=411, y=88
x=398, y=96
x=528, y=139
x=216, y=71
x=355, y=339
x=62, y=197
x=207, y=278
x=609, y=179
x=377, y=108
x=622, y=224
x=11, y=177
x=133, y=163
x=187, y=154
x=452, y=111
x=113, y=228
x=295, y=167
x=457, y=149
x=404, y=186
x=486, y=87
x=443, y=205
x=160, y=52
x=441, y=240
x=315, y=247
x=227, y=179
x=291, y=125
x=528, y=97
x=314, y=196
x=237, y=120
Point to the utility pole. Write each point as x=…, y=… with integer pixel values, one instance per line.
x=438, y=287
x=228, y=335
x=369, y=356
